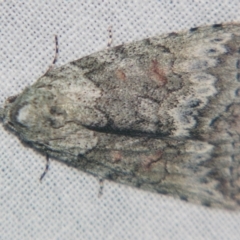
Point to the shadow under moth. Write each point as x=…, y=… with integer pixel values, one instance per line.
x=161, y=114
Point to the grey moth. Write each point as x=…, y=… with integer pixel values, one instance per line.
x=161, y=114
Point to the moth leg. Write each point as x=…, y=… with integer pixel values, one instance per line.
x=109, y=37
x=100, y=192
x=46, y=168
x=55, y=55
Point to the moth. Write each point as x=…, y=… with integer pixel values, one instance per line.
x=161, y=114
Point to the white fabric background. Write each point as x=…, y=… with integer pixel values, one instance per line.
x=66, y=204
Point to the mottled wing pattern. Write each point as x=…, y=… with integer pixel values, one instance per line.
x=161, y=114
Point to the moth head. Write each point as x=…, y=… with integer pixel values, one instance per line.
x=5, y=112
x=26, y=115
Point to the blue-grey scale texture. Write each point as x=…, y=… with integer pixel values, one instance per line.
x=161, y=114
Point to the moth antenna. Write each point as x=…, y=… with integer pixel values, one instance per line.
x=55, y=55
x=46, y=168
